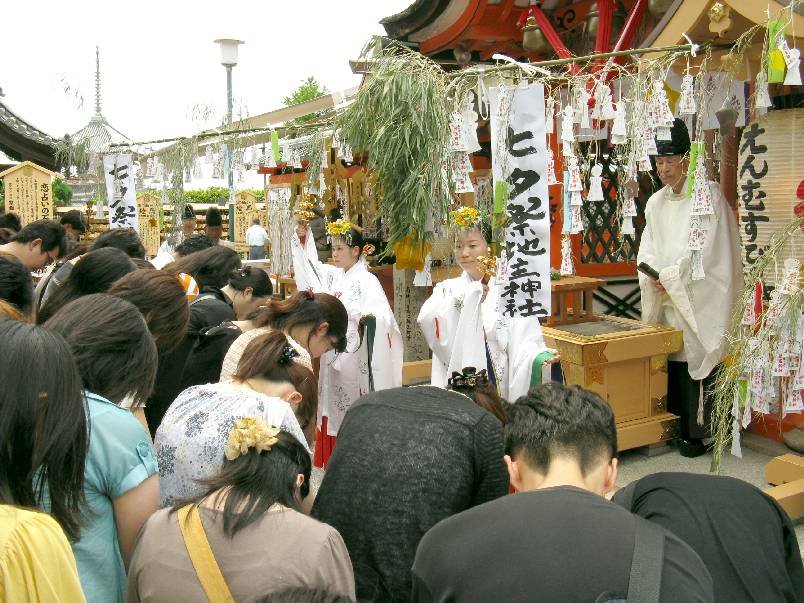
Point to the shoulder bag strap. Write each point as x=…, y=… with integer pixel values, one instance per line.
x=203, y=559
x=645, y=581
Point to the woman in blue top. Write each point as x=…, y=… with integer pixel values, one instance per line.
x=116, y=357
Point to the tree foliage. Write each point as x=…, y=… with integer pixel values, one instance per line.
x=62, y=193
x=308, y=90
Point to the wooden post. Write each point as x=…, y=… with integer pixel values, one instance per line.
x=408, y=301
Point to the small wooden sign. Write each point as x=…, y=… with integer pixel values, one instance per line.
x=28, y=192
x=148, y=214
x=245, y=209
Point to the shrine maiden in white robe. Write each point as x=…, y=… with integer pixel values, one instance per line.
x=457, y=327
x=702, y=309
x=344, y=377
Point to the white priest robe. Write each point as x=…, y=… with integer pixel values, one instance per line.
x=344, y=377
x=457, y=327
x=702, y=309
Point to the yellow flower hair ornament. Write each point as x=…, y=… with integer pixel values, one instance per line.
x=338, y=228
x=250, y=432
x=465, y=217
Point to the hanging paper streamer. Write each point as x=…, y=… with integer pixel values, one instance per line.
x=197, y=175
x=423, y=277
x=120, y=191
x=701, y=193
x=575, y=183
x=596, y=184
x=470, y=123
x=523, y=166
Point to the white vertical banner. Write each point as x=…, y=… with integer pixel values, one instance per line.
x=119, y=172
x=519, y=167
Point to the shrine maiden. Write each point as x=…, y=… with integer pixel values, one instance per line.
x=463, y=327
x=371, y=362
x=697, y=289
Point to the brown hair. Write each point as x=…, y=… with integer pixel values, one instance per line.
x=115, y=353
x=210, y=267
x=267, y=357
x=160, y=298
x=484, y=394
x=306, y=308
x=9, y=310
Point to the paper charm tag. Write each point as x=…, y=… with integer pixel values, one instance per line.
x=551, y=168
x=576, y=200
x=774, y=307
x=550, y=115
x=456, y=130
x=650, y=143
x=584, y=107
x=501, y=276
x=567, y=268
x=627, y=227
x=575, y=183
x=423, y=278
x=596, y=184
x=792, y=58
x=749, y=316
x=576, y=225
x=781, y=363
x=697, y=266
x=792, y=268
x=794, y=402
x=798, y=380
x=619, y=131
x=762, y=99
x=664, y=133
x=686, y=104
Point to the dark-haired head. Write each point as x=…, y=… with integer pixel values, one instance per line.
x=254, y=482
x=213, y=224
x=193, y=243
x=38, y=243
x=303, y=594
x=43, y=424
x=95, y=272
x=270, y=357
x=318, y=321
x=209, y=267
x=249, y=288
x=125, y=239
x=480, y=389
x=10, y=221
x=110, y=341
x=6, y=234
x=563, y=431
x=161, y=299
x=16, y=286
x=74, y=224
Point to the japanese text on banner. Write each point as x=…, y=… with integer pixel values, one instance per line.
x=519, y=161
x=119, y=172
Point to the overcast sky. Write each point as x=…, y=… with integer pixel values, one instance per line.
x=160, y=69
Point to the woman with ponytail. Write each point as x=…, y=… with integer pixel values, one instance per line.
x=373, y=357
x=268, y=383
x=249, y=515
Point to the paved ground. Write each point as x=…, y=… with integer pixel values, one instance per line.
x=634, y=464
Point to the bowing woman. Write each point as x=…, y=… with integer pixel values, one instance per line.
x=463, y=327
x=373, y=357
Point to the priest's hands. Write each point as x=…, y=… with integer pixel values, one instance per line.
x=301, y=230
x=485, y=292
x=659, y=287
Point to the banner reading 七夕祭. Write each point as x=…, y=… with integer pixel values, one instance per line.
x=119, y=172
x=519, y=167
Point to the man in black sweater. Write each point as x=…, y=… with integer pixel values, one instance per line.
x=406, y=458
x=557, y=539
x=744, y=537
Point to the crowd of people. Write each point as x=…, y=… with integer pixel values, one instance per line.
x=161, y=422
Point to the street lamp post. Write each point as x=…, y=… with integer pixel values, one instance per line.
x=228, y=47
